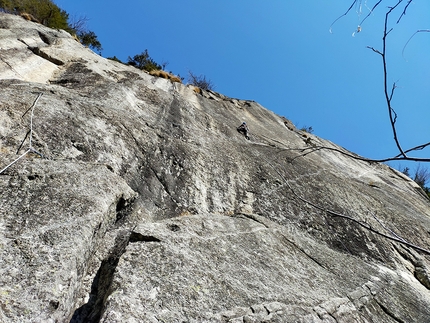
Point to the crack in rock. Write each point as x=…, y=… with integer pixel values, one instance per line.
x=388, y=312
x=138, y=237
x=38, y=52
x=101, y=287
x=123, y=208
x=45, y=38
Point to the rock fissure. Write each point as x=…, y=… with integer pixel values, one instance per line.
x=136, y=142
x=101, y=288
x=422, y=273
x=333, y=317
x=123, y=208
x=313, y=259
x=417, y=267
x=161, y=181
x=46, y=39
x=267, y=310
x=388, y=312
x=37, y=51
x=138, y=237
x=253, y=218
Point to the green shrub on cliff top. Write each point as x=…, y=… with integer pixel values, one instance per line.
x=144, y=62
x=44, y=11
x=49, y=14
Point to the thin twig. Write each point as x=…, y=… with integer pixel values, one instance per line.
x=404, y=11
x=347, y=11
x=419, y=147
x=418, y=31
x=399, y=157
x=370, y=12
x=375, y=50
x=392, y=93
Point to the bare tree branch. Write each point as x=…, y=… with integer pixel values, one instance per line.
x=347, y=11
x=418, y=31
x=389, y=90
x=419, y=147
x=78, y=24
x=370, y=12
x=391, y=112
x=355, y=2
x=404, y=11
x=309, y=150
x=375, y=50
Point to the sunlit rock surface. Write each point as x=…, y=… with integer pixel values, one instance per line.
x=128, y=198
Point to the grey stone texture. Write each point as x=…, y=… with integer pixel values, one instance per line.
x=136, y=200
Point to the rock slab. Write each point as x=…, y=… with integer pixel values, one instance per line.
x=128, y=198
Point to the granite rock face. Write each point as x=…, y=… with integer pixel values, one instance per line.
x=128, y=198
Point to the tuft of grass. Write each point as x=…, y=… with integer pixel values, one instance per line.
x=307, y=129
x=197, y=90
x=165, y=75
x=29, y=17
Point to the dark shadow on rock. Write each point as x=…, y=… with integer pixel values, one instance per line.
x=101, y=287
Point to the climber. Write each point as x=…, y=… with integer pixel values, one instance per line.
x=243, y=128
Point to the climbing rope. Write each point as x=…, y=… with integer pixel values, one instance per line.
x=30, y=132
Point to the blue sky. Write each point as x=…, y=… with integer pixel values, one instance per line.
x=281, y=54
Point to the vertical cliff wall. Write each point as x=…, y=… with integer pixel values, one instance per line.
x=128, y=198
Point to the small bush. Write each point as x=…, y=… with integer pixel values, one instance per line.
x=144, y=62
x=200, y=81
x=49, y=14
x=43, y=11
x=405, y=170
x=116, y=59
x=89, y=38
x=422, y=175
x=307, y=129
